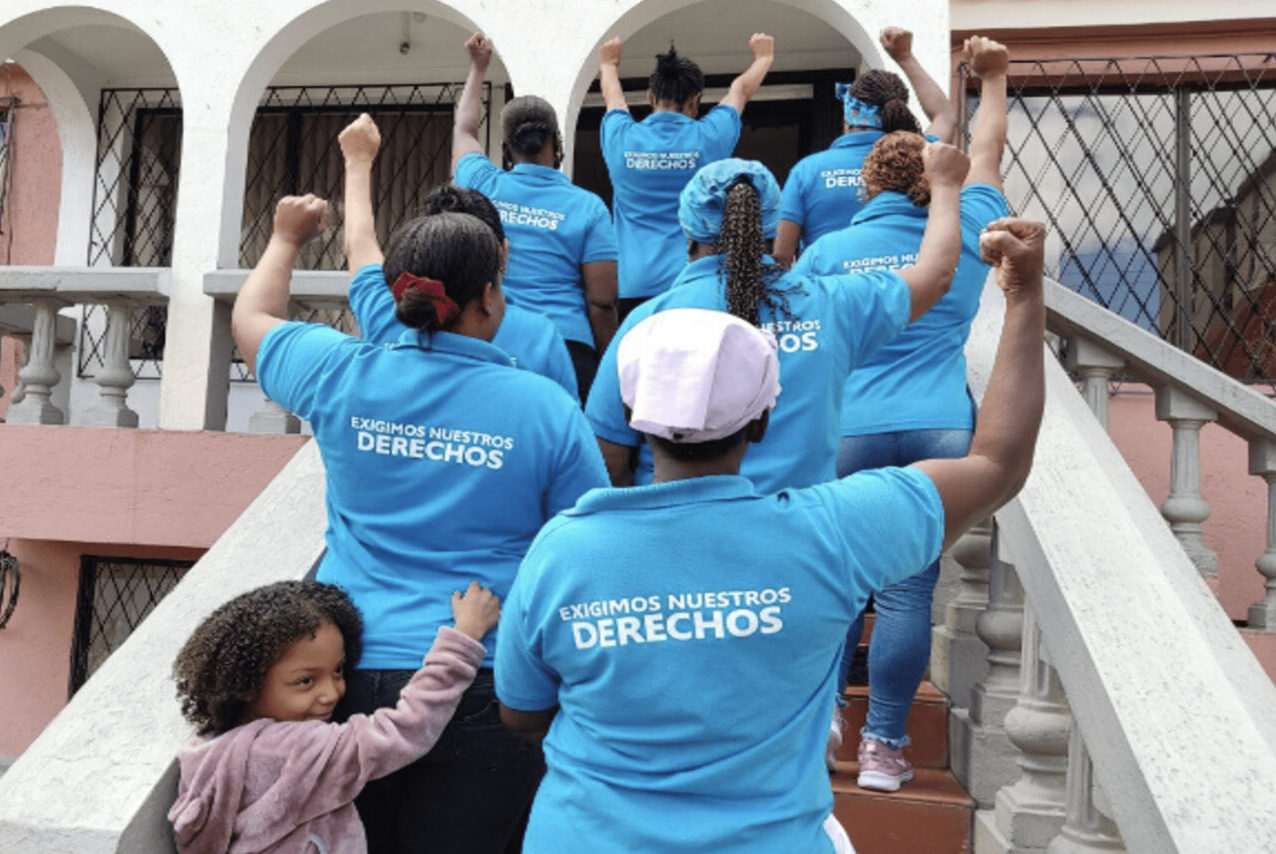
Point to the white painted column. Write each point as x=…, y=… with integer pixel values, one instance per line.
x=116, y=376
x=1096, y=367
x=958, y=658
x=983, y=758
x=1262, y=462
x=1086, y=830
x=39, y=376
x=1029, y=813
x=1185, y=509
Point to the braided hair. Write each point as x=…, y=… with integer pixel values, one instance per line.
x=749, y=278
x=528, y=124
x=887, y=91
x=676, y=78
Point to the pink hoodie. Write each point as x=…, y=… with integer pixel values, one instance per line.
x=289, y=786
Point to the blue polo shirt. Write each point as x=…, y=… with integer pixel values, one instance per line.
x=649, y=163
x=693, y=669
x=918, y=381
x=822, y=192
x=833, y=328
x=530, y=339
x=553, y=227
x=429, y=485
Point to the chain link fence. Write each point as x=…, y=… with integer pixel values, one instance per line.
x=1157, y=178
x=292, y=149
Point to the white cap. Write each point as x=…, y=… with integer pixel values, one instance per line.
x=694, y=375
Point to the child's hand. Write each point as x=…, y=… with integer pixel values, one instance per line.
x=762, y=45
x=360, y=140
x=1016, y=247
x=986, y=57
x=609, y=52
x=300, y=218
x=480, y=50
x=897, y=43
x=945, y=164
x=476, y=611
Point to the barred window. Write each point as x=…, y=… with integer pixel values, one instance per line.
x=8, y=108
x=116, y=594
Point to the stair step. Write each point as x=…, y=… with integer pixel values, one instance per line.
x=927, y=726
x=930, y=815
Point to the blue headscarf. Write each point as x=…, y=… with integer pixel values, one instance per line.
x=856, y=112
x=702, y=200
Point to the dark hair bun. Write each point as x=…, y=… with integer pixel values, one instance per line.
x=897, y=116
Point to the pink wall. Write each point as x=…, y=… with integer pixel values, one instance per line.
x=152, y=487
x=1236, y=528
x=28, y=232
x=35, y=647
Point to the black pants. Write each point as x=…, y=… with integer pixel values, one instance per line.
x=624, y=305
x=585, y=363
x=469, y=795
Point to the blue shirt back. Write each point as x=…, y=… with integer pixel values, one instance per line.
x=833, y=328
x=553, y=227
x=822, y=192
x=918, y=381
x=530, y=339
x=694, y=668
x=649, y=163
x=429, y=484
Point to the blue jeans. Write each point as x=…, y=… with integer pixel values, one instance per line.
x=900, y=649
x=469, y=795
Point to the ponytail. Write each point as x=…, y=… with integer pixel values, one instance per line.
x=886, y=93
x=743, y=248
x=437, y=264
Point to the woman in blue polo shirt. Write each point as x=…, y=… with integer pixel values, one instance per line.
x=563, y=247
x=910, y=401
x=824, y=327
x=529, y=338
x=650, y=161
x=822, y=192
x=429, y=487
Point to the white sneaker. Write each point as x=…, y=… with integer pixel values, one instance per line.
x=835, y=738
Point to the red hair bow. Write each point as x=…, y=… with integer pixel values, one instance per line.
x=444, y=306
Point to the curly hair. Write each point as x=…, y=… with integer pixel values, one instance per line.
x=750, y=280
x=895, y=163
x=223, y=665
x=887, y=91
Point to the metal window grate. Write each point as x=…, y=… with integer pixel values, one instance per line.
x=1157, y=177
x=115, y=596
x=8, y=111
x=292, y=149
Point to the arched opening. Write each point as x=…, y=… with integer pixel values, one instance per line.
x=793, y=115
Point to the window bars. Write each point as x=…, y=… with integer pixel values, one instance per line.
x=8, y=110
x=1157, y=178
x=292, y=149
x=115, y=595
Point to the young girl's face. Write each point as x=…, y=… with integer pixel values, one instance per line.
x=305, y=682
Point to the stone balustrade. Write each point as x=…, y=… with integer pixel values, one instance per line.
x=33, y=298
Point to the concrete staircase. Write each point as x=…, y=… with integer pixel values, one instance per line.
x=933, y=814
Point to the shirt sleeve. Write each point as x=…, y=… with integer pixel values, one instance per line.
x=793, y=197
x=294, y=361
x=872, y=308
x=600, y=235
x=372, y=305
x=604, y=408
x=980, y=205
x=611, y=136
x=891, y=521
x=721, y=130
x=524, y=680
x=580, y=465
x=476, y=172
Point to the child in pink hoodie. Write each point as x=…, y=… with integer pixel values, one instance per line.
x=266, y=771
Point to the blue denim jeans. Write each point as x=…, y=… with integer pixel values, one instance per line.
x=469, y=795
x=900, y=648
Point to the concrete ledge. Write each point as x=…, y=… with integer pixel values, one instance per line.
x=1240, y=408
x=309, y=288
x=84, y=284
x=1178, y=716
x=101, y=776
